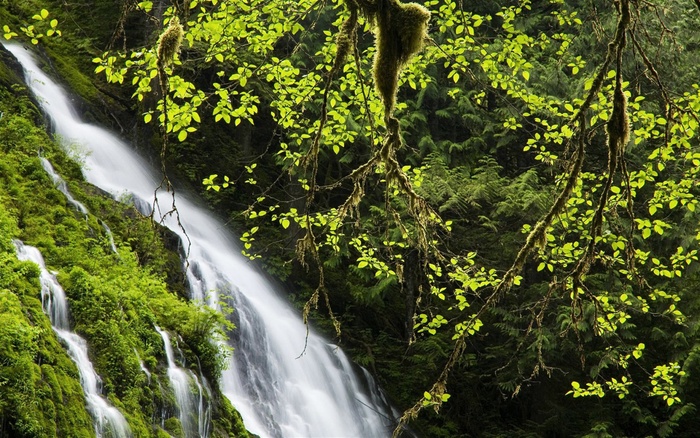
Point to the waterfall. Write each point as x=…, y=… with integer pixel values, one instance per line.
x=108, y=420
x=278, y=392
x=192, y=413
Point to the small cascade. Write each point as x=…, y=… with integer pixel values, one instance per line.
x=62, y=186
x=204, y=407
x=110, y=237
x=109, y=422
x=143, y=366
x=189, y=394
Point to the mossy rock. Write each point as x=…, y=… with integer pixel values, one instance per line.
x=174, y=427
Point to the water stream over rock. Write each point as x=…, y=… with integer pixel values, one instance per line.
x=192, y=412
x=109, y=422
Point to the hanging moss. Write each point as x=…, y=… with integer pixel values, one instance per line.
x=400, y=33
x=169, y=42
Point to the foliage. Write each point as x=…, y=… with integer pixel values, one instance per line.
x=39, y=388
x=43, y=27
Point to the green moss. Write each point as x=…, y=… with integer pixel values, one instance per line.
x=7, y=76
x=65, y=64
x=38, y=400
x=160, y=433
x=226, y=421
x=174, y=427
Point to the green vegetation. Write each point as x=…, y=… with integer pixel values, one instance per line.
x=40, y=389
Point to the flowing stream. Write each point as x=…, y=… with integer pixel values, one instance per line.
x=109, y=422
x=192, y=412
x=279, y=391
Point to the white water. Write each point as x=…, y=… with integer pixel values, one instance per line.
x=143, y=366
x=192, y=413
x=110, y=237
x=109, y=422
x=203, y=405
x=277, y=392
x=62, y=186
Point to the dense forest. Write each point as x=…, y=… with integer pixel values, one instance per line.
x=490, y=206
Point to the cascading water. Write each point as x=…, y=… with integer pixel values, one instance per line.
x=108, y=420
x=203, y=405
x=110, y=237
x=277, y=392
x=143, y=367
x=193, y=415
x=62, y=186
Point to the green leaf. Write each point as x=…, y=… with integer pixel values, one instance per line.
x=146, y=6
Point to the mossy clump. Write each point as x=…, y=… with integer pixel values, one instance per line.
x=618, y=127
x=174, y=427
x=169, y=42
x=226, y=420
x=346, y=39
x=401, y=32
